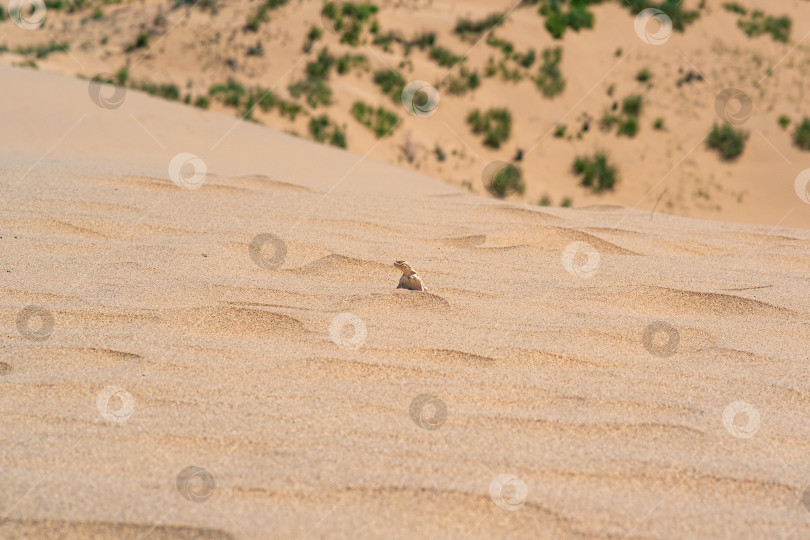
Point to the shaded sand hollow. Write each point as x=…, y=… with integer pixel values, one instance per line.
x=640, y=375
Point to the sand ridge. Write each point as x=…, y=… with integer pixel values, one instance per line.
x=236, y=362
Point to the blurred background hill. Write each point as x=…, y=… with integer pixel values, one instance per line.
x=557, y=103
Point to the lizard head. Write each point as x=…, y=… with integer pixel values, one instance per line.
x=404, y=267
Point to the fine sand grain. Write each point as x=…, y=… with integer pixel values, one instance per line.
x=599, y=355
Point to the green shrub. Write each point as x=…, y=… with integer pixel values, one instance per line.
x=465, y=81
x=323, y=129
x=440, y=155
x=381, y=121
x=579, y=17
x=314, y=35
x=122, y=76
x=627, y=120
x=597, y=174
x=41, y=51
x=526, y=60
x=672, y=8
x=734, y=7
x=141, y=42
x=287, y=108
x=784, y=121
x=631, y=106
x=644, y=75
x=728, y=141
x=758, y=23
x=658, y=124
x=229, y=94
x=507, y=47
x=165, y=91
x=262, y=13
x=267, y=100
x=350, y=19
x=609, y=120
x=321, y=66
x=801, y=137
x=56, y=4
x=254, y=22
x=386, y=40
x=507, y=180
x=317, y=91
x=348, y=61
x=443, y=56
x=559, y=132
x=549, y=80
x=391, y=83
x=315, y=87
x=423, y=40
x=210, y=5
x=495, y=124
x=509, y=75
x=576, y=18
x=628, y=126
x=256, y=50
x=545, y=200
x=469, y=29
x=202, y=102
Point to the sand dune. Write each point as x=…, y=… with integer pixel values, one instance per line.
x=234, y=361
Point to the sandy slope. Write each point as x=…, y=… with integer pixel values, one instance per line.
x=231, y=367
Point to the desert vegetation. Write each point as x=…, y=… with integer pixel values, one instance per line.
x=43, y=50
x=507, y=180
x=756, y=23
x=262, y=14
x=494, y=124
x=801, y=137
x=324, y=130
x=390, y=82
x=472, y=29
x=350, y=19
x=549, y=80
x=597, y=174
x=627, y=119
x=353, y=40
x=727, y=140
x=380, y=120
